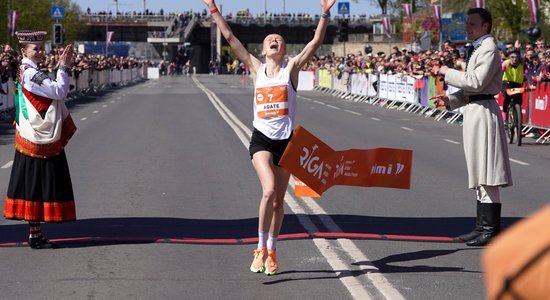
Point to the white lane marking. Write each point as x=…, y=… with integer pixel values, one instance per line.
x=333, y=107
x=240, y=129
x=375, y=119
x=407, y=128
x=452, y=142
x=519, y=162
x=8, y=165
x=105, y=106
x=306, y=98
x=84, y=119
x=371, y=271
x=118, y=98
x=113, y=101
x=95, y=111
x=352, y=283
x=319, y=102
x=353, y=112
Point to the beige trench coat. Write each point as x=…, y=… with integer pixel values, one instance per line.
x=485, y=144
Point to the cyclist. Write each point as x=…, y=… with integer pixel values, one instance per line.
x=512, y=77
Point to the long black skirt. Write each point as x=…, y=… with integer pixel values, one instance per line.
x=40, y=189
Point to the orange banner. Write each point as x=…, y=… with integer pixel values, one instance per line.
x=320, y=167
x=302, y=190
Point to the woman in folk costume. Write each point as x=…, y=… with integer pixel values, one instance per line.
x=275, y=83
x=40, y=188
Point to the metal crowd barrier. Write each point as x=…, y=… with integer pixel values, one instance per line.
x=412, y=94
x=87, y=81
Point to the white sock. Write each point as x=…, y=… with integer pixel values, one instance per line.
x=272, y=242
x=262, y=240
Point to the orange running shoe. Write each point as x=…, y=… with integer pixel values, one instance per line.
x=258, y=264
x=271, y=263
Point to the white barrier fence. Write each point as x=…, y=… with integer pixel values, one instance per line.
x=396, y=88
x=399, y=91
x=85, y=81
x=306, y=81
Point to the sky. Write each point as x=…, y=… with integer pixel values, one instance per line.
x=313, y=7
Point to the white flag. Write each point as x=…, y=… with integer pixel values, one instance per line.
x=387, y=26
x=109, y=36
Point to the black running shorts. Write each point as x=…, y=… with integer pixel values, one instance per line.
x=260, y=142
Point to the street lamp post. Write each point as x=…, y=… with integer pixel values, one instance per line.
x=9, y=7
x=107, y=17
x=441, y=26
x=107, y=36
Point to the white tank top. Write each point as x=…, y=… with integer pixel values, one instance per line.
x=274, y=104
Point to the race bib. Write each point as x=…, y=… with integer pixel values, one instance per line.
x=272, y=101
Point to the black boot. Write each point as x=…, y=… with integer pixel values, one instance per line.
x=490, y=223
x=42, y=243
x=477, y=230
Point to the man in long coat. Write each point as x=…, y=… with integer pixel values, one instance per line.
x=485, y=145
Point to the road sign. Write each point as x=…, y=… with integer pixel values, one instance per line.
x=454, y=28
x=343, y=8
x=57, y=12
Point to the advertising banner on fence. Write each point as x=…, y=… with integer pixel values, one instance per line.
x=383, y=86
x=398, y=88
x=320, y=167
x=362, y=84
x=325, y=79
x=340, y=82
x=406, y=88
x=540, y=113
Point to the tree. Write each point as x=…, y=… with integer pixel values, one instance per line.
x=36, y=15
x=509, y=17
x=383, y=4
x=397, y=5
x=394, y=6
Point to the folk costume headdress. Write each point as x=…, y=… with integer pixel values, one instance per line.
x=37, y=135
x=29, y=36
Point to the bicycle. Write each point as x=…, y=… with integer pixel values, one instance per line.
x=514, y=115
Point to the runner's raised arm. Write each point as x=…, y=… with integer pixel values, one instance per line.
x=242, y=54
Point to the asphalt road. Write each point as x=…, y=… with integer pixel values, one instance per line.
x=167, y=200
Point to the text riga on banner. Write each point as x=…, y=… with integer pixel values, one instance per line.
x=320, y=167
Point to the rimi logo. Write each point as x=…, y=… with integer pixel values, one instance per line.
x=387, y=170
x=541, y=103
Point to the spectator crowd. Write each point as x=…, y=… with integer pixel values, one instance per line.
x=10, y=59
x=535, y=59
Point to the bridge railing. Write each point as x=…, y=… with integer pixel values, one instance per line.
x=87, y=81
x=156, y=34
x=101, y=18
x=187, y=29
x=287, y=20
